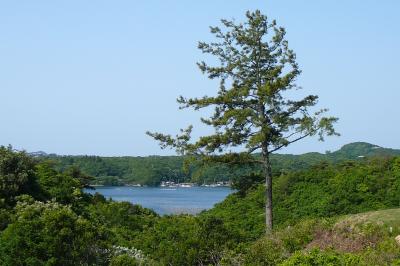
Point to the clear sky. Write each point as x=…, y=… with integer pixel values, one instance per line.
x=90, y=77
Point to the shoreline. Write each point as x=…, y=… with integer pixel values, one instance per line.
x=167, y=187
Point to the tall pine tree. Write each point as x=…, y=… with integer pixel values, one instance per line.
x=255, y=107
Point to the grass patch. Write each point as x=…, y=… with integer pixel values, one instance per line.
x=389, y=217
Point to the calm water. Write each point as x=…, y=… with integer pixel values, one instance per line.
x=168, y=200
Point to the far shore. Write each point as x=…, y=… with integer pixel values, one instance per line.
x=160, y=186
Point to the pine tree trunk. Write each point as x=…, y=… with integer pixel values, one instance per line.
x=268, y=193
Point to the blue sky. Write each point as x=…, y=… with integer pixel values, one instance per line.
x=90, y=77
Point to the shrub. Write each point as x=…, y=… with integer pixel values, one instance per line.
x=51, y=234
x=317, y=257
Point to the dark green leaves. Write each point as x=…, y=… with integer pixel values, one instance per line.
x=252, y=107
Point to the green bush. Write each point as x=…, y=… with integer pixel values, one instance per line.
x=51, y=234
x=124, y=260
x=265, y=251
x=17, y=176
x=318, y=258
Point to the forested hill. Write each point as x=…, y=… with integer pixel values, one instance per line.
x=151, y=170
x=46, y=219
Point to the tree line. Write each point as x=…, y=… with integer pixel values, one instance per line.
x=47, y=219
x=151, y=170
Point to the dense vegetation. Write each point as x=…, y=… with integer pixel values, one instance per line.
x=252, y=107
x=324, y=190
x=152, y=170
x=46, y=219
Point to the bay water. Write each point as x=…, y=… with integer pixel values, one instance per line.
x=164, y=200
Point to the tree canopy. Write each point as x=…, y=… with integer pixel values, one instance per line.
x=255, y=108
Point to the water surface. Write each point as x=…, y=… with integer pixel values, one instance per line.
x=168, y=200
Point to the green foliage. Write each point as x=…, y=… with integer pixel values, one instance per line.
x=265, y=251
x=325, y=190
x=115, y=171
x=274, y=248
x=255, y=68
x=329, y=190
x=55, y=223
x=296, y=237
x=243, y=215
x=17, y=175
x=386, y=252
x=130, y=256
x=58, y=186
x=124, y=260
x=246, y=179
x=186, y=240
x=252, y=109
x=67, y=226
x=317, y=257
x=361, y=239
x=356, y=149
x=172, y=240
x=4, y=218
x=51, y=234
x=125, y=220
x=124, y=170
x=76, y=173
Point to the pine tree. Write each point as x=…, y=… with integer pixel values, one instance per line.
x=255, y=107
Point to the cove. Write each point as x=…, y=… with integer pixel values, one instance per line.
x=167, y=200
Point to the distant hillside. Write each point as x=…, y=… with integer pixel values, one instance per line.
x=151, y=170
x=352, y=151
x=360, y=150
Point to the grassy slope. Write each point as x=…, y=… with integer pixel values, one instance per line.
x=359, y=239
x=389, y=217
